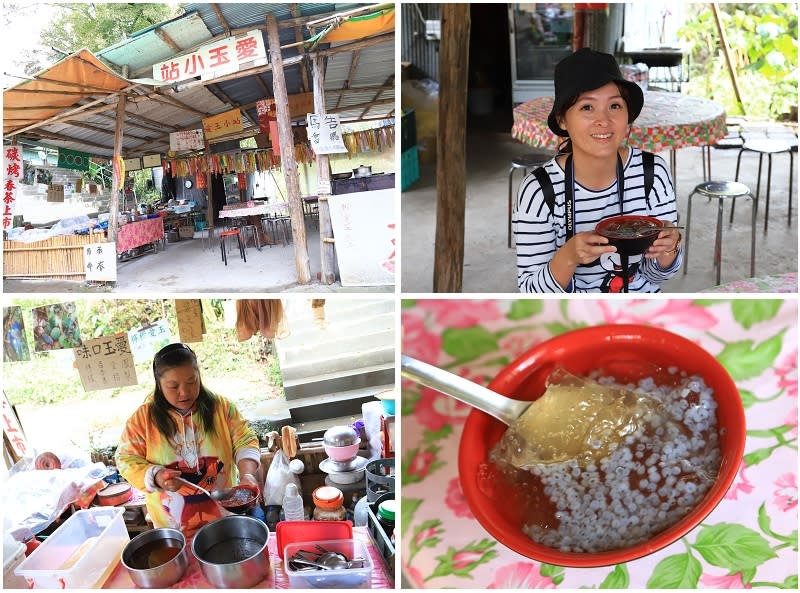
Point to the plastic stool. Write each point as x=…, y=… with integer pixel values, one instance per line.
x=768, y=147
x=721, y=190
x=231, y=233
x=524, y=162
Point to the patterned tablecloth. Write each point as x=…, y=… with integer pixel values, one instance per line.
x=749, y=540
x=136, y=234
x=667, y=121
x=277, y=579
x=774, y=284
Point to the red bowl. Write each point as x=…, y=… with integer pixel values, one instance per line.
x=629, y=245
x=626, y=352
x=240, y=503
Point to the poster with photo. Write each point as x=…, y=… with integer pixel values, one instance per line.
x=56, y=327
x=15, y=343
x=105, y=362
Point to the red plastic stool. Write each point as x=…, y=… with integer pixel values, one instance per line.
x=231, y=233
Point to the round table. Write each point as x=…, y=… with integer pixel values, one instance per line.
x=667, y=121
x=444, y=546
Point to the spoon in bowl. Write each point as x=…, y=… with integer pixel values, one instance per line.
x=574, y=418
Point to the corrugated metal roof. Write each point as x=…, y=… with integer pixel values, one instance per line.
x=200, y=24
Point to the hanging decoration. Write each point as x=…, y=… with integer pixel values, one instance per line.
x=380, y=139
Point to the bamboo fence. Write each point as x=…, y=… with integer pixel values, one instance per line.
x=57, y=258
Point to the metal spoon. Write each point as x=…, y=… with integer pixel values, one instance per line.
x=506, y=410
x=217, y=495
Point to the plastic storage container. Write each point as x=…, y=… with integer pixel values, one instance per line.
x=378, y=534
x=345, y=578
x=13, y=555
x=303, y=531
x=81, y=553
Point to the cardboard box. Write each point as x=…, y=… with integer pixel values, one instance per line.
x=186, y=231
x=55, y=193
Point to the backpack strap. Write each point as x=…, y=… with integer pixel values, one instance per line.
x=547, y=188
x=648, y=164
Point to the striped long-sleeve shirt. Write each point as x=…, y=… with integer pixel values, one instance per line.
x=540, y=233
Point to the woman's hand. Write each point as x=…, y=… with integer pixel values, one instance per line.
x=248, y=479
x=165, y=479
x=587, y=246
x=665, y=247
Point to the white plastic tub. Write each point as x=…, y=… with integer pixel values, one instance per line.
x=80, y=554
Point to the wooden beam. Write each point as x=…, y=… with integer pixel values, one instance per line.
x=43, y=92
x=388, y=83
x=326, y=246
x=723, y=41
x=348, y=13
x=116, y=183
x=164, y=36
x=367, y=105
x=350, y=74
x=288, y=162
x=263, y=86
x=298, y=36
x=221, y=19
x=130, y=124
x=451, y=174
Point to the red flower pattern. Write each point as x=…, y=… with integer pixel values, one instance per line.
x=786, y=493
x=460, y=314
x=456, y=501
x=742, y=485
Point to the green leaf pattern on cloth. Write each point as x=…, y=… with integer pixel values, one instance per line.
x=749, y=540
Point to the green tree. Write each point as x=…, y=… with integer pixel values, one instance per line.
x=100, y=25
x=762, y=44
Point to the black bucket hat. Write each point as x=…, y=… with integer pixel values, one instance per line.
x=586, y=70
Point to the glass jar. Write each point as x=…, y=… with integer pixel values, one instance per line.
x=328, y=504
x=386, y=516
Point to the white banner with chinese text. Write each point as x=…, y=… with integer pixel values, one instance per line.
x=12, y=173
x=214, y=59
x=325, y=133
x=363, y=228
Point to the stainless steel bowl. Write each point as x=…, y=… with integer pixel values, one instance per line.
x=145, y=546
x=340, y=436
x=232, y=551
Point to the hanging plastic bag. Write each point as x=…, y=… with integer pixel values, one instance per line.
x=278, y=475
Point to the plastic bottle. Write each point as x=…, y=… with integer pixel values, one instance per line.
x=386, y=516
x=293, y=504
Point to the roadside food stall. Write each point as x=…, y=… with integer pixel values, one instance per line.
x=192, y=120
x=319, y=513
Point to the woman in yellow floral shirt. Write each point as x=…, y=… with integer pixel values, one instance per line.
x=184, y=430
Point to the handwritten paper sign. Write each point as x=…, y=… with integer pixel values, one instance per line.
x=145, y=342
x=15, y=342
x=325, y=133
x=214, y=59
x=222, y=124
x=186, y=140
x=100, y=261
x=105, y=362
x=190, y=320
x=151, y=160
x=363, y=224
x=12, y=431
x=12, y=172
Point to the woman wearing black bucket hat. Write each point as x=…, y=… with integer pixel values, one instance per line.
x=593, y=177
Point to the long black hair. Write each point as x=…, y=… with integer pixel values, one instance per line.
x=565, y=147
x=170, y=357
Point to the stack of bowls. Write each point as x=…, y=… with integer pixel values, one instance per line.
x=343, y=464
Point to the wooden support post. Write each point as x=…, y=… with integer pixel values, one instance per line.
x=326, y=246
x=113, y=205
x=723, y=41
x=448, y=263
x=288, y=162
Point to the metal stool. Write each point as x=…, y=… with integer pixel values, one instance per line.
x=768, y=146
x=524, y=162
x=231, y=233
x=721, y=190
x=250, y=229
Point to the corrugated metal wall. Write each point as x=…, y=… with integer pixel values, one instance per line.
x=415, y=48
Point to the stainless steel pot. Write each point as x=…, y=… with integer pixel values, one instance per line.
x=136, y=558
x=347, y=477
x=340, y=436
x=362, y=171
x=232, y=551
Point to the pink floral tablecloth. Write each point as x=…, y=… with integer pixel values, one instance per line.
x=754, y=529
x=667, y=121
x=774, y=284
x=277, y=579
x=136, y=234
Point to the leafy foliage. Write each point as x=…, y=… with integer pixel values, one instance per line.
x=100, y=25
x=762, y=43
